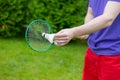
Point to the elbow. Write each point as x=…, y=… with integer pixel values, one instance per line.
x=108, y=20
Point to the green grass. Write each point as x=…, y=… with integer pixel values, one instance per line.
x=19, y=62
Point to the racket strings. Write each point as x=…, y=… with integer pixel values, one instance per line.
x=35, y=38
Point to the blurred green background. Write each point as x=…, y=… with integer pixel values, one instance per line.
x=15, y=15
x=18, y=61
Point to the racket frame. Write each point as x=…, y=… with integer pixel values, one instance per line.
x=26, y=35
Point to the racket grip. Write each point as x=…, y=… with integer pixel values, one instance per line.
x=55, y=43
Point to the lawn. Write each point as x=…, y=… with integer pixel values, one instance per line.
x=19, y=62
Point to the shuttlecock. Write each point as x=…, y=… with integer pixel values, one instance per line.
x=49, y=37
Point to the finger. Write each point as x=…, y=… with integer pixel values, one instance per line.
x=82, y=37
x=61, y=38
x=59, y=35
x=61, y=43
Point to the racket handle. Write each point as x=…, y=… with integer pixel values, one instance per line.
x=56, y=43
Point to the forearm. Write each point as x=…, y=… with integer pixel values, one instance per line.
x=89, y=16
x=92, y=26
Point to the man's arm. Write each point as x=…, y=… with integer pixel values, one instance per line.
x=88, y=17
x=111, y=11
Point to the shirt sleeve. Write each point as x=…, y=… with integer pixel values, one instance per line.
x=89, y=3
x=115, y=0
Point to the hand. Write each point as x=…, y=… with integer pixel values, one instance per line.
x=83, y=37
x=63, y=37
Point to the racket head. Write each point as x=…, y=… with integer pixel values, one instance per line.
x=34, y=38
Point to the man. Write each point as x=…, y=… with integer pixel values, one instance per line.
x=102, y=24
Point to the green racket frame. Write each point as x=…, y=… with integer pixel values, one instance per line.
x=26, y=35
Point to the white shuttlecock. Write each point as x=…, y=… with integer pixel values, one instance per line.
x=49, y=37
